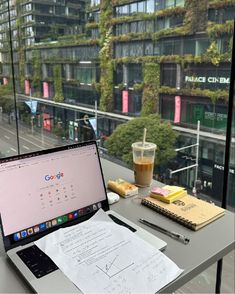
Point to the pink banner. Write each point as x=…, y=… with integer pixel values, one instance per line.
x=45, y=90
x=177, y=109
x=26, y=87
x=124, y=101
x=5, y=81
x=46, y=121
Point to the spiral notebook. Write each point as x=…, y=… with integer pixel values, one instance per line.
x=189, y=211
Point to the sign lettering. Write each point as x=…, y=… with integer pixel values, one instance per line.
x=221, y=167
x=213, y=80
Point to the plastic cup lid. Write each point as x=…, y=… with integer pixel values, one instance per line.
x=146, y=146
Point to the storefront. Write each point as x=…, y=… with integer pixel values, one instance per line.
x=211, y=116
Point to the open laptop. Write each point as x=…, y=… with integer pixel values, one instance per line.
x=43, y=191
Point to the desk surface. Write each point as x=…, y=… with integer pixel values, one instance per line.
x=206, y=246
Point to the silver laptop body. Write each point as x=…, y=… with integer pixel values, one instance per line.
x=48, y=190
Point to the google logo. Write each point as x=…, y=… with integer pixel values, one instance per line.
x=54, y=177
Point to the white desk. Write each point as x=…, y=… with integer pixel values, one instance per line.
x=206, y=246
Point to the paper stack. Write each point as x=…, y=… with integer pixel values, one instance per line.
x=168, y=193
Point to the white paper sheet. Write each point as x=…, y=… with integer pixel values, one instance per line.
x=99, y=256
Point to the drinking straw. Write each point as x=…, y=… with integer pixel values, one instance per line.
x=143, y=142
x=144, y=136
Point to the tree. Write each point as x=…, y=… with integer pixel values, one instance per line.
x=6, y=99
x=160, y=133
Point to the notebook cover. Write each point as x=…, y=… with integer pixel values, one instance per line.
x=189, y=211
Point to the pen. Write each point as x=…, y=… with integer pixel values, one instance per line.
x=173, y=235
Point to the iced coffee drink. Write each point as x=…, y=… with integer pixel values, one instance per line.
x=143, y=162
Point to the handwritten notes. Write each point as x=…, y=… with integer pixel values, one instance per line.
x=99, y=256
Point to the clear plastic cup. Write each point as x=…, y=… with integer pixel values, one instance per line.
x=143, y=162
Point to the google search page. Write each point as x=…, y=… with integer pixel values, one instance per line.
x=34, y=190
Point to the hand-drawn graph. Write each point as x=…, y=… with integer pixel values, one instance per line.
x=114, y=266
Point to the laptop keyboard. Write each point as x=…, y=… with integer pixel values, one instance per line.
x=37, y=261
x=119, y=222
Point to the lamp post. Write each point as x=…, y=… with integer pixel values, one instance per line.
x=196, y=181
x=42, y=131
x=32, y=124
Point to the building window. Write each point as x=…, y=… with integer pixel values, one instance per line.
x=135, y=74
x=118, y=75
x=168, y=76
x=221, y=15
x=201, y=46
x=85, y=74
x=136, y=49
x=149, y=26
x=125, y=50
x=189, y=46
x=141, y=7
x=133, y=8
x=118, y=50
x=133, y=27
x=141, y=26
x=150, y=8
x=148, y=50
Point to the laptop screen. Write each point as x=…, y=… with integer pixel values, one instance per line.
x=44, y=190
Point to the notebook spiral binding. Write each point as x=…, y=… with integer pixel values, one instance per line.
x=168, y=214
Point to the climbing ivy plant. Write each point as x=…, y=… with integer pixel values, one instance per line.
x=58, y=97
x=214, y=54
x=37, y=76
x=150, y=98
x=196, y=15
x=105, y=56
x=20, y=47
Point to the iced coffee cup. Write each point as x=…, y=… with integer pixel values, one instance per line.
x=143, y=162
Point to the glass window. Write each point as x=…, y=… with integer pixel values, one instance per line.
x=118, y=29
x=134, y=103
x=176, y=21
x=168, y=47
x=167, y=108
x=136, y=49
x=160, y=23
x=168, y=77
x=58, y=31
x=229, y=14
x=189, y=46
x=223, y=44
x=135, y=74
x=125, y=28
x=118, y=75
x=133, y=8
x=118, y=50
x=118, y=11
x=201, y=46
x=148, y=48
x=160, y=4
x=157, y=48
x=169, y=3
x=118, y=101
x=150, y=8
x=125, y=49
x=141, y=6
x=133, y=27
x=180, y=3
x=141, y=26
x=150, y=26
x=125, y=10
